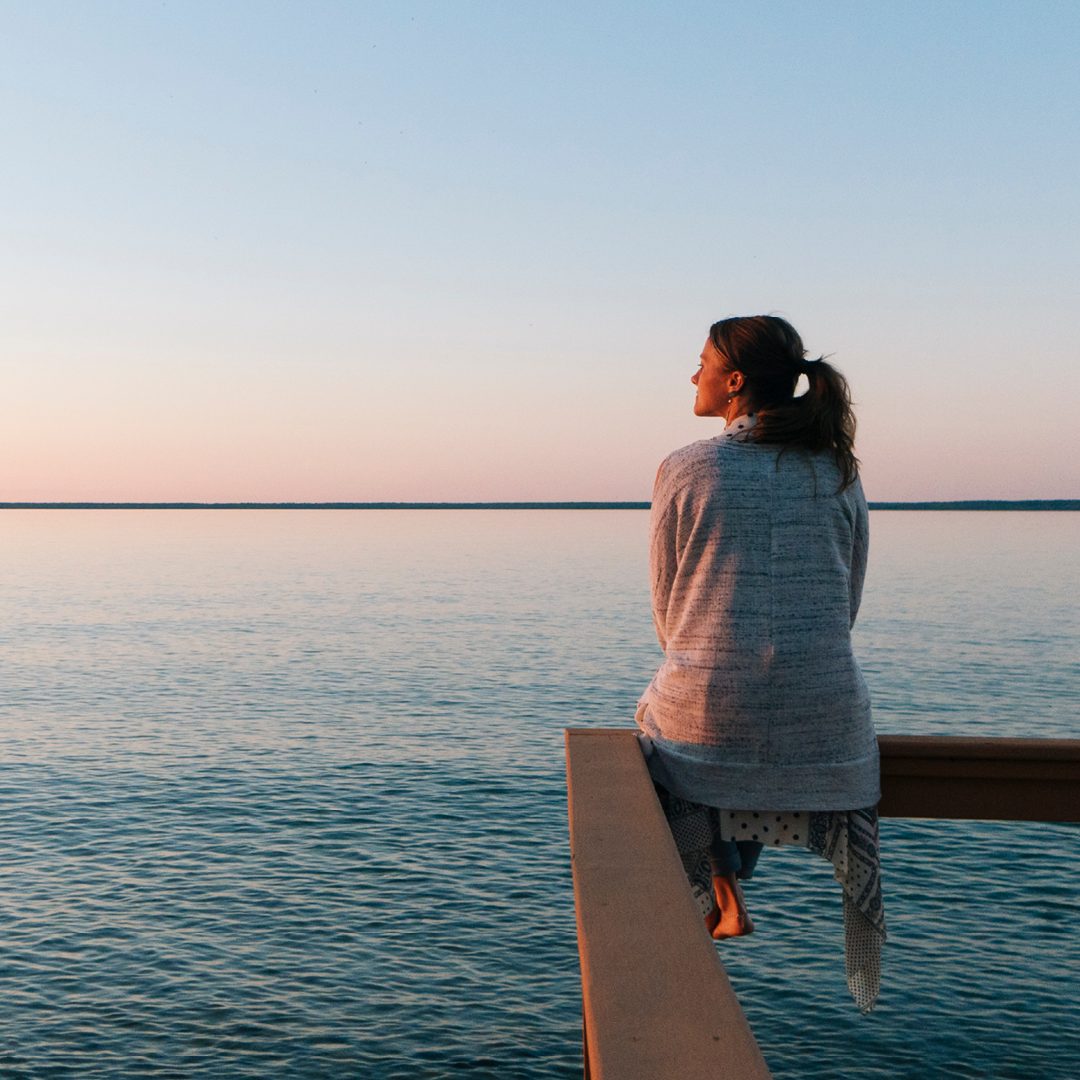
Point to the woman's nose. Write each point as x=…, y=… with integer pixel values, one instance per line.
x=694, y=377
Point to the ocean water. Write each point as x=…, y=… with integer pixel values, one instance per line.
x=282, y=794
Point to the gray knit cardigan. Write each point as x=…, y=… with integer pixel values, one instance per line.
x=757, y=568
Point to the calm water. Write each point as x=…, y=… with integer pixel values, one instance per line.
x=282, y=794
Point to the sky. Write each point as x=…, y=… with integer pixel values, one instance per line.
x=471, y=251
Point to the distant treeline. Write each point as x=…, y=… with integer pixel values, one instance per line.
x=327, y=506
x=983, y=504
x=972, y=504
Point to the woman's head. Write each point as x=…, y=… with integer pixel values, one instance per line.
x=767, y=355
x=766, y=350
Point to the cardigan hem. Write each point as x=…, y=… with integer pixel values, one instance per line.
x=766, y=785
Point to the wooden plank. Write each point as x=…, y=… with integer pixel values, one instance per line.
x=939, y=776
x=657, y=1001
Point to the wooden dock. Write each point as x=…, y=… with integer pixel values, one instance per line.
x=657, y=1002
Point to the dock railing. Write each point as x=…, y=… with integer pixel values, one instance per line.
x=657, y=1003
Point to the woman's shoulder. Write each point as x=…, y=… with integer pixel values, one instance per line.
x=713, y=456
x=705, y=467
x=700, y=471
x=694, y=451
x=688, y=461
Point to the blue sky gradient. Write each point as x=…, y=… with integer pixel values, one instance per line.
x=471, y=251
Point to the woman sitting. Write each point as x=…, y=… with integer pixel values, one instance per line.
x=758, y=721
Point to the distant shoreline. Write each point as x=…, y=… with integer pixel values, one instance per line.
x=972, y=504
x=982, y=504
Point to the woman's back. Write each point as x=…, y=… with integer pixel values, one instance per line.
x=757, y=568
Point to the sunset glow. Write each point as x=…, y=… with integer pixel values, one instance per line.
x=471, y=252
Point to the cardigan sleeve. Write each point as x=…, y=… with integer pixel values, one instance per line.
x=859, y=549
x=663, y=548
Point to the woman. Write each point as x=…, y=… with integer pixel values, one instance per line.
x=758, y=722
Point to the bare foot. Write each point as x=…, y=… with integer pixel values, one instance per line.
x=734, y=920
x=712, y=919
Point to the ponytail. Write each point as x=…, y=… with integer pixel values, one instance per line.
x=770, y=354
x=821, y=419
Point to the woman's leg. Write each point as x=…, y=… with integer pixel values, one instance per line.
x=735, y=920
x=749, y=850
x=727, y=861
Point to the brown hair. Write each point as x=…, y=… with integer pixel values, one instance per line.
x=769, y=353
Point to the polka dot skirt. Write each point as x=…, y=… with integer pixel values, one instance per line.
x=772, y=828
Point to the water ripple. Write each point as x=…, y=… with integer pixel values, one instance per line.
x=284, y=795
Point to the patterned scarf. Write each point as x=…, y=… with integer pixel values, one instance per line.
x=847, y=838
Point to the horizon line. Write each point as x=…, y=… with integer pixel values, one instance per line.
x=962, y=504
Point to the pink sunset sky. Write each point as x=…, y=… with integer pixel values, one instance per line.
x=277, y=252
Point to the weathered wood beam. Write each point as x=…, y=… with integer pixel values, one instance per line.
x=657, y=1001
x=955, y=776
